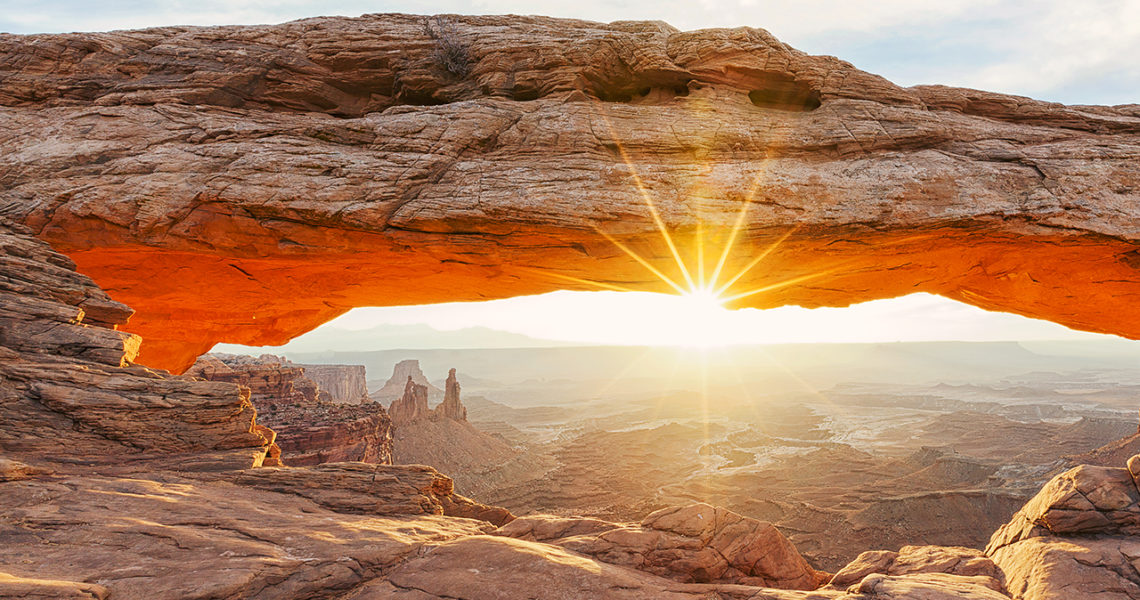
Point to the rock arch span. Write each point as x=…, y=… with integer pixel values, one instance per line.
x=246, y=184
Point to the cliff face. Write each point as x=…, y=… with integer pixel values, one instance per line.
x=312, y=434
x=270, y=379
x=345, y=384
x=330, y=163
x=311, y=428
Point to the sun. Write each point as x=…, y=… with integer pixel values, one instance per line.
x=703, y=300
x=703, y=311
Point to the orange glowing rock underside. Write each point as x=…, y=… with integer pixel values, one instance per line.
x=187, y=302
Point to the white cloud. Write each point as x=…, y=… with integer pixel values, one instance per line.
x=1062, y=43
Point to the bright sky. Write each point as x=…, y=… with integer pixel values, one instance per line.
x=1060, y=50
x=659, y=319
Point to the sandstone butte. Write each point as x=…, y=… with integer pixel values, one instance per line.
x=246, y=184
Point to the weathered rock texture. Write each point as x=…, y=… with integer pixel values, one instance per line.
x=1076, y=538
x=311, y=428
x=321, y=432
x=692, y=544
x=412, y=406
x=250, y=194
x=68, y=390
x=270, y=379
x=357, y=488
x=910, y=560
x=451, y=407
x=121, y=482
x=345, y=384
x=272, y=533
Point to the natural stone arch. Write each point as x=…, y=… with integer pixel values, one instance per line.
x=248, y=196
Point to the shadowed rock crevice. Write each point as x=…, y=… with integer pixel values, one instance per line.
x=781, y=94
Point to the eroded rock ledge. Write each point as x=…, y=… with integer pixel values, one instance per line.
x=311, y=427
x=310, y=167
x=70, y=394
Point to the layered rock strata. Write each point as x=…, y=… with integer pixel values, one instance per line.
x=311, y=428
x=344, y=384
x=147, y=507
x=270, y=379
x=330, y=163
x=312, y=434
x=693, y=544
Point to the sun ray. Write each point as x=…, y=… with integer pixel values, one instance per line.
x=600, y=284
x=755, y=261
x=781, y=284
x=644, y=263
x=648, y=201
x=701, y=254
x=737, y=225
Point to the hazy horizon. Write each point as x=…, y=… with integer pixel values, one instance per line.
x=636, y=319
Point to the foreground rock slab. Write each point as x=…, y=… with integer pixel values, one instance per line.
x=1075, y=538
x=178, y=538
x=693, y=544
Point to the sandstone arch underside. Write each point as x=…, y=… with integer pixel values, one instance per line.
x=246, y=184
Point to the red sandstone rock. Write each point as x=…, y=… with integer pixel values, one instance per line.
x=53, y=589
x=693, y=544
x=1075, y=538
x=253, y=194
x=965, y=562
x=14, y=470
x=359, y=488
x=68, y=391
x=412, y=406
x=451, y=407
x=345, y=384
x=270, y=379
x=309, y=429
